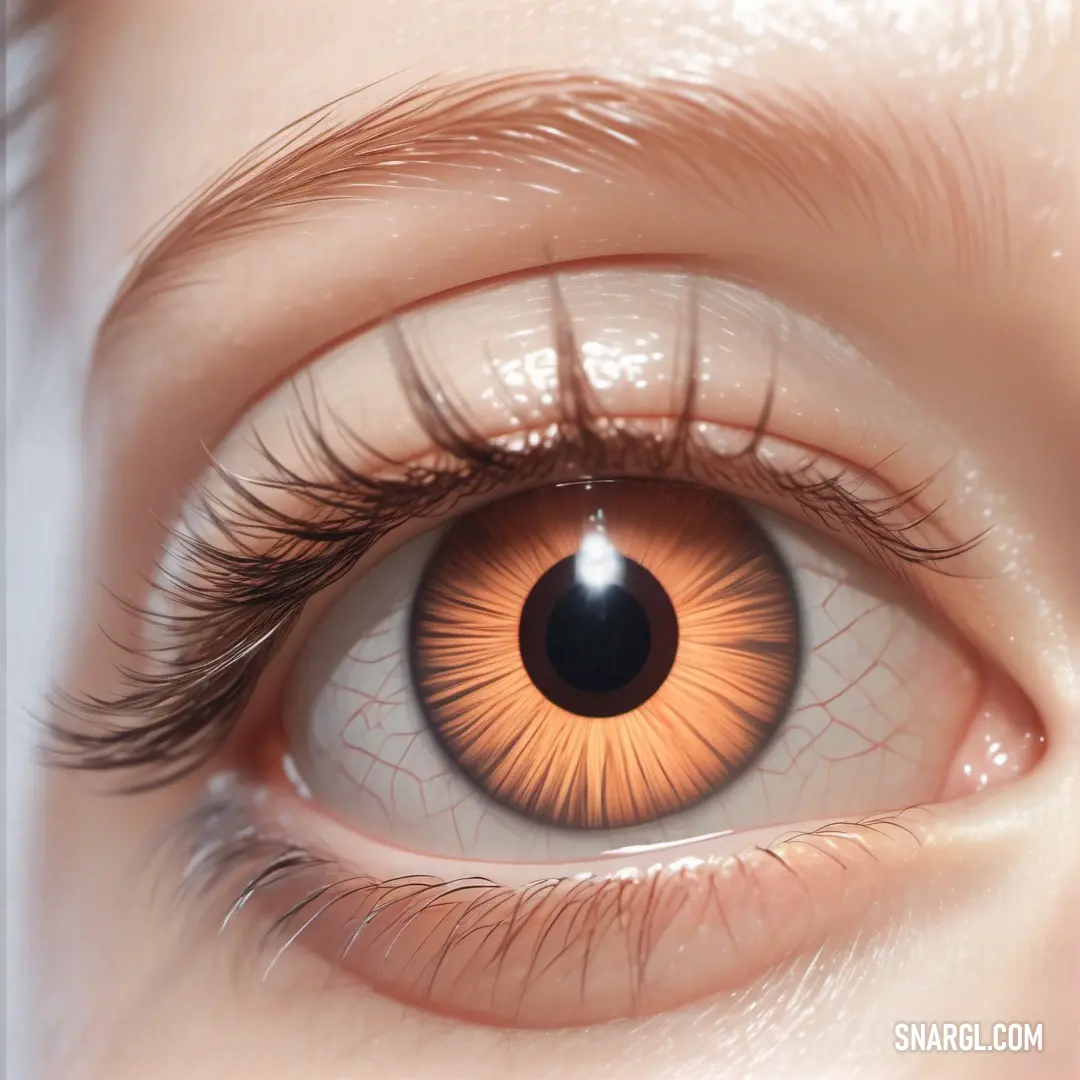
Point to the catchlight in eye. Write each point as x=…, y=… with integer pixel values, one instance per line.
x=595, y=657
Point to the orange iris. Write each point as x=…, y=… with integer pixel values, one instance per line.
x=601, y=655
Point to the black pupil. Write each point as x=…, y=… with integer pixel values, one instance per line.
x=598, y=639
x=598, y=651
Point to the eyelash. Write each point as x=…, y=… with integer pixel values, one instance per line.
x=188, y=693
x=224, y=843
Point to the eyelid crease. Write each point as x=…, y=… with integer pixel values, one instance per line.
x=226, y=609
x=923, y=174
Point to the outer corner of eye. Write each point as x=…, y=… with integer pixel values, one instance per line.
x=563, y=723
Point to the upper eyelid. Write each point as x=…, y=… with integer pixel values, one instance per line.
x=236, y=607
x=942, y=190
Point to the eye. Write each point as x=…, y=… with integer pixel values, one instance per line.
x=569, y=600
x=592, y=657
x=583, y=667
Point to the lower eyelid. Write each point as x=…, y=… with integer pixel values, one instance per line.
x=563, y=951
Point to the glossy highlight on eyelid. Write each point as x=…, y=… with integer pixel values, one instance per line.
x=730, y=683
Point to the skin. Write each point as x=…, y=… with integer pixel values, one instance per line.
x=156, y=98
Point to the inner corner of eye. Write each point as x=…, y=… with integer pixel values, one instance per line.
x=1003, y=740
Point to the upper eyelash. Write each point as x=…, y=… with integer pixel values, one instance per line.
x=236, y=603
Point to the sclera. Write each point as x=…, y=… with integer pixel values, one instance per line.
x=359, y=741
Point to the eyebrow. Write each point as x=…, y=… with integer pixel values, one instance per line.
x=931, y=181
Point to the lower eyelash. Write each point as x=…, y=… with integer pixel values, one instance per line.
x=511, y=955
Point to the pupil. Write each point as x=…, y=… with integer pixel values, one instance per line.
x=597, y=652
x=597, y=639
